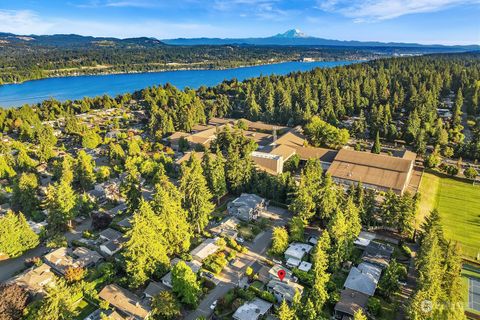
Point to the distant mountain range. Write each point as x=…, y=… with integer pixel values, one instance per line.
x=74, y=40
x=295, y=37
x=292, y=37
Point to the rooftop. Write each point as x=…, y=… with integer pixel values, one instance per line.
x=252, y=310
x=124, y=300
x=350, y=301
x=205, y=249
x=372, y=169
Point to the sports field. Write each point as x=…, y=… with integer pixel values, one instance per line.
x=459, y=205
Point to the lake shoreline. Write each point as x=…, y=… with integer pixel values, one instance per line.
x=263, y=63
x=64, y=88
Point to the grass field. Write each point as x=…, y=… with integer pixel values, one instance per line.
x=459, y=205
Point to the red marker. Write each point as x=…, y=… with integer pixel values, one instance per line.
x=281, y=274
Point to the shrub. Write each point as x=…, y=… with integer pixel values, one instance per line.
x=304, y=278
x=215, y=262
x=449, y=169
x=374, y=306
x=470, y=173
x=57, y=241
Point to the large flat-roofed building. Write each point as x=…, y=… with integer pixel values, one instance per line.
x=268, y=162
x=381, y=172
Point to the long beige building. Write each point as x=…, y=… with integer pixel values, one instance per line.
x=378, y=171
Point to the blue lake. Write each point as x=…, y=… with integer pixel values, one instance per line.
x=71, y=88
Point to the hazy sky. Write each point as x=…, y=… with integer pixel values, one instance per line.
x=422, y=21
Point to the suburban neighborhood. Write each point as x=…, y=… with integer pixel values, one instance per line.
x=121, y=208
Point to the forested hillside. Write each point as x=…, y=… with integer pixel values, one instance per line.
x=398, y=98
x=26, y=61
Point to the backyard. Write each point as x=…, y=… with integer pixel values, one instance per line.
x=458, y=203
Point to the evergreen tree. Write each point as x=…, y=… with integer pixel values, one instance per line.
x=145, y=250
x=196, y=196
x=284, y=312
x=46, y=141
x=308, y=192
x=214, y=168
x=24, y=196
x=61, y=205
x=329, y=198
x=320, y=260
x=131, y=190
x=16, y=237
x=377, y=147
x=297, y=229
x=167, y=204
x=279, y=240
x=185, y=285
x=59, y=303
x=84, y=170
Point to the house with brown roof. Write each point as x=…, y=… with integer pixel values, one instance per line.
x=125, y=302
x=376, y=171
x=350, y=302
x=35, y=279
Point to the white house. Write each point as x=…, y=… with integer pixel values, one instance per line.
x=297, y=250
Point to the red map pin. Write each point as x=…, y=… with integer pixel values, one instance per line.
x=281, y=274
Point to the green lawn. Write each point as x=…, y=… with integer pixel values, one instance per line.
x=459, y=205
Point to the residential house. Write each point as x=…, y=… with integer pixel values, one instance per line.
x=226, y=228
x=35, y=279
x=363, y=279
x=153, y=289
x=125, y=302
x=111, y=247
x=62, y=259
x=110, y=234
x=205, y=249
x=284, y=290
x=297, y=251
x=85, y=257
x=246, y=207
x=350, y=302
x=273, y=273
x=364, y=239
x=305, y=266
x=378, y=253
x=252, y=310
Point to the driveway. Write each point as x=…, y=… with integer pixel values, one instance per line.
x=11, y=267
x=231, y=275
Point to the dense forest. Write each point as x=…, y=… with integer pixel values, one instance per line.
x=20, y=62
x=396, y=98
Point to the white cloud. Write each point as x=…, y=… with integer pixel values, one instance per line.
x=372, y=10
x=29, y=22
x=261, y=9
x=22, y=22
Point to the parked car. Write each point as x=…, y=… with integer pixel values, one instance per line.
x=213, y=305
x=233, y=261
x=209, y=275
x=277, y=261
x=240, y=240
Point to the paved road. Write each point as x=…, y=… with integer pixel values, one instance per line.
x=11, y=267
x=232, y=274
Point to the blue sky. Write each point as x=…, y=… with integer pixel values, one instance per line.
x=422, y=21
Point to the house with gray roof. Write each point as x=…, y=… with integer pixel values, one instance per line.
x=284, y=290
x=252, y=310
x=363, y=279
x=246, y=207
